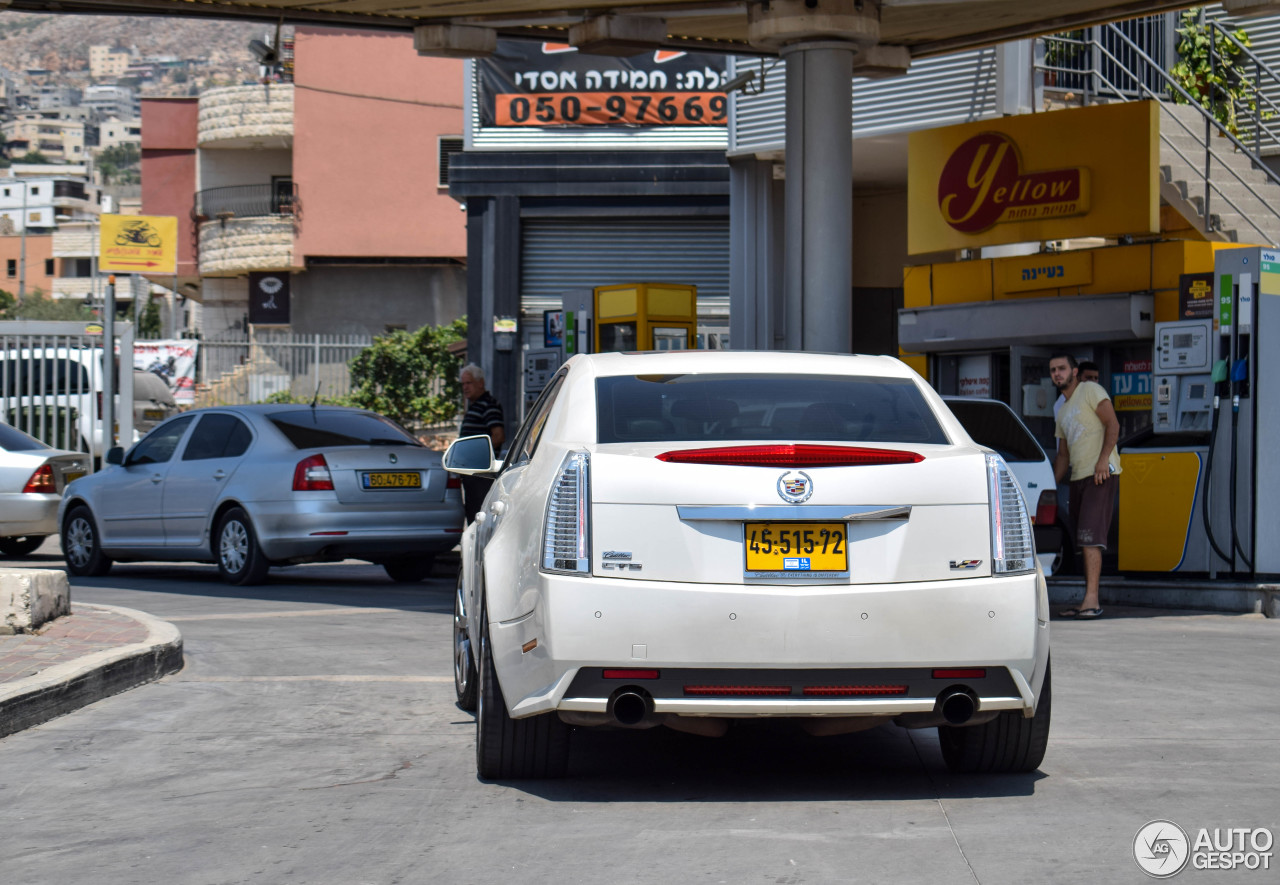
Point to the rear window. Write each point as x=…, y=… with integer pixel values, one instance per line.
x=13, y=440
x=739, y=407
x=322, y=428
x=994, y=425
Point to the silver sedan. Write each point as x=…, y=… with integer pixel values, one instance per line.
x=248, y=487
x=32, y=477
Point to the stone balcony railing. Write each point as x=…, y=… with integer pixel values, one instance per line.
x=254, y=116
x=233, y=246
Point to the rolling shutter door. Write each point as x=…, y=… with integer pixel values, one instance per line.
x=559, y=255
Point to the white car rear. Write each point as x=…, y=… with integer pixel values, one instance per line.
x=683, y=539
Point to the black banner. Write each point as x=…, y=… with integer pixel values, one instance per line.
x=554, y=85
x=269, y=298
x=1195, y=296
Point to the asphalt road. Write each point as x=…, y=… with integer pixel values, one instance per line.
x=312, y=738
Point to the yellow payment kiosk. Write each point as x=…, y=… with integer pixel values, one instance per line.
x=645, y=316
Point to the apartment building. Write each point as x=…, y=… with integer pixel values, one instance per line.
x=328, y=184
x=106, y=61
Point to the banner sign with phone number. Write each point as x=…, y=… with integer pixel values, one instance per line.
x=554, y=85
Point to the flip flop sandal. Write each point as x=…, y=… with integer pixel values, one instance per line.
x=1069, y=613
x=1089, y=613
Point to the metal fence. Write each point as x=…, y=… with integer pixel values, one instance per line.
x=240, y=369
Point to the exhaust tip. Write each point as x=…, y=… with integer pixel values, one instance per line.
x=958, y=707
x=630, y=706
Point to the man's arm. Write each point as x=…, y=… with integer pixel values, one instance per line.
x=1061, y=462
x=1111, y=433
x=499, y=435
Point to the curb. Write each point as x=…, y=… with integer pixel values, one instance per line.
x=75, y=684
x=1209, y=596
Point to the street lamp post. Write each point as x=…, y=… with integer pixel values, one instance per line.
x=22, y=250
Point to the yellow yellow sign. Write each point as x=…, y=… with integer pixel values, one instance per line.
x=1046, y=270
x=138, y=244
x=1034, y=177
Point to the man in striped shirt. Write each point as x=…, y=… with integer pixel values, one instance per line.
x=483, y=416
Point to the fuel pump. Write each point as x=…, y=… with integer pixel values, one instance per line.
x=630, y=316
x=1202, y=496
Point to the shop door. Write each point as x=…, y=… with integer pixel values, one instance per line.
x=1034, y=393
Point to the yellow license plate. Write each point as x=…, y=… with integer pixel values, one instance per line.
x=70, y=477
x=153, y=414
x=796, y=548
x=386, y=480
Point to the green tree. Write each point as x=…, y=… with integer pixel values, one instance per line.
x=33, y=157
x=149, y=322
x=37, y=307
x=395, y=375
x=1213, y=71
x=7, y=301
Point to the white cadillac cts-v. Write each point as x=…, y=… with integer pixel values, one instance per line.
x=686, y=539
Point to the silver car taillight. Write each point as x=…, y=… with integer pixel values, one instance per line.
x=566, y=539
x=1013, y=549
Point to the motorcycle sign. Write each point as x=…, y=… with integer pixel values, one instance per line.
x=138, y=244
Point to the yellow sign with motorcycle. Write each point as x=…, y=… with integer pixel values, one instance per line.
x=138, y=244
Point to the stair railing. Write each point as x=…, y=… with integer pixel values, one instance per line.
x=1094, y=73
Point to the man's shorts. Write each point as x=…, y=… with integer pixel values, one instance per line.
x=1091, y=509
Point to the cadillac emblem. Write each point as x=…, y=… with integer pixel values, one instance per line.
x=795, y=486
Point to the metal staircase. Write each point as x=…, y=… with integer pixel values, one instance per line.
x=1214, y=179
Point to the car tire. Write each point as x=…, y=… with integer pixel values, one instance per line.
x=1009, y=743
x=514, y=749
x=82, y=546
x=465, y=676
x=21, y=545
x=409, y=571
x=240, y=558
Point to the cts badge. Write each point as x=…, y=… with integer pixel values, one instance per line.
x=795, y=486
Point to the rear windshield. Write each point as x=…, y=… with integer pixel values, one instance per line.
x=792, y=408
x=322, y=428
x=12, y=440
x=995, y=426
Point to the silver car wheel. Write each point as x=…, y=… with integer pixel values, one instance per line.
x=79, y=541
x=462, y=661
x=233, y=546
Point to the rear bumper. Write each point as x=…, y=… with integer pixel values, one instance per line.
x=327, y=529
x=28, y=514
x=753, y=633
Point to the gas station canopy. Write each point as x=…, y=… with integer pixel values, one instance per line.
x=923, y=27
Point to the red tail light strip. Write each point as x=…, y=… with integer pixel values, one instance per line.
x=312, y=475
x=739, y=690
x=969, y=673
x=629, y=674
x=791, y=455
x=847, y=691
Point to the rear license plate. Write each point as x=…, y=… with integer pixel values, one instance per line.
x=796, y=548
x=388, y=480
x=70, y=477
x=153, y=414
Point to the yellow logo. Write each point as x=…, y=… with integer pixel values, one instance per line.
x=138, y=244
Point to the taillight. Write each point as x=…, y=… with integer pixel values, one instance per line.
x=453, y=482
x=1047, y=508
x=791, y=455
x=41, y=482
x=629, y=674
x=1012, y=547
x=312, y=475
x=566, y=543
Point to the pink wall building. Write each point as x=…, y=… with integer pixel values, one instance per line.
x=329, y=184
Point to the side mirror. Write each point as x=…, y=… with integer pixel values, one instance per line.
x=470, y=455
x=115, y=455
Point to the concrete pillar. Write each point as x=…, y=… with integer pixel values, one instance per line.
x=819, y=39
x=819, y=201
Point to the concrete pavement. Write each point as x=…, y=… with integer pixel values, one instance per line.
x=92, y=653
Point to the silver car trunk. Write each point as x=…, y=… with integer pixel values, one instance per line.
x=378, y=475
x=689, y=522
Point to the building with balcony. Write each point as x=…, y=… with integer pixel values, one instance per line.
x=328, y=184
x=40, y=198
x=105, y=102
x=106, y=61
x=59, y=140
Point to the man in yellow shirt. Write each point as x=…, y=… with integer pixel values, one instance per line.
x=1087, y=430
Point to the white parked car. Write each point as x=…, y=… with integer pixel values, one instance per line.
x=993, y=424
x=685, y=539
